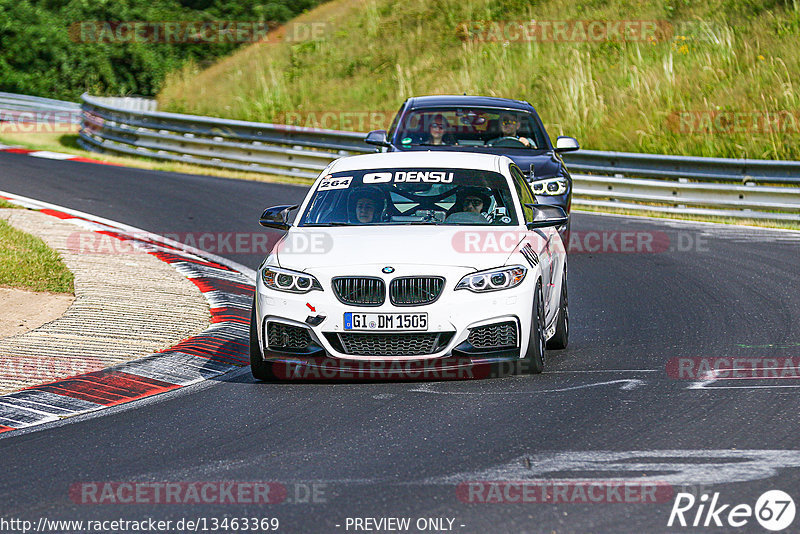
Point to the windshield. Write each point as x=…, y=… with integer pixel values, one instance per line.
x=471, y=127
x=411, y=196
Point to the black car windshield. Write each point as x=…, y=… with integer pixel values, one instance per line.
x=438, y=196
x=491, y=127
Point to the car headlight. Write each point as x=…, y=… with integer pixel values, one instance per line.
x=289, y=281
x=493, y=279
x=549, y=186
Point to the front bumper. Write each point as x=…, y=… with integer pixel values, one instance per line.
x=451, y=319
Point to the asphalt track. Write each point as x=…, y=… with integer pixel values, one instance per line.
x=402, y=449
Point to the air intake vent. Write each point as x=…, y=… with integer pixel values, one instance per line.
x=390, y=344
x=415, y=290
x=284, y=336
x=360, y=291
x=494, y=336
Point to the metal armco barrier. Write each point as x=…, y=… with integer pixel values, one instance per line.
x=227, y=144
x=737, y=188
x=37, y=109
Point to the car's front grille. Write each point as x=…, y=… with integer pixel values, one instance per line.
x=390, y=344
x=360, y=291
x=284, y=336
x=494, y=336
x=415, y=290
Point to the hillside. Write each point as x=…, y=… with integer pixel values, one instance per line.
x=717, y=78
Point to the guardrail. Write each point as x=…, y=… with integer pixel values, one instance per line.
x=676, y=167
x=222, y=143
x=24, y=108
x=737, y=188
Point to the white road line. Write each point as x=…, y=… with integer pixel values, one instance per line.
x=713, y=377
x=628, y=384
x=607, y=371
x=46, y=154
x=676, y=467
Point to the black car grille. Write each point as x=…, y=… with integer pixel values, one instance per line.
x=415, y=290
x=494, y=336
x=360, y=291
x=284, y=336
x=390, y=344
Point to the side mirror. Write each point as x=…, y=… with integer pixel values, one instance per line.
x=277, y=217
x=377, y=138
x=566, y=144
x=545, y=215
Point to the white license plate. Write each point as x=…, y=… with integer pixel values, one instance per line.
x=385, y=321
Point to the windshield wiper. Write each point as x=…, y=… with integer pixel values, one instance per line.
x=328, y=224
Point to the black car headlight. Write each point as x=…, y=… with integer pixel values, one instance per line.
x=493, y=279
x=289, y=281
x=550, y=186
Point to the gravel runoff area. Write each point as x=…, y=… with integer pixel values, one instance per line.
x=128, y=304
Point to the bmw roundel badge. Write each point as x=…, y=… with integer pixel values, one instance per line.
x=387, y=270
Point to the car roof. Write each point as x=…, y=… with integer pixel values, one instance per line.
x=434, y=101
x=431, y=159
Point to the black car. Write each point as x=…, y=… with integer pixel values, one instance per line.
x=484, y=124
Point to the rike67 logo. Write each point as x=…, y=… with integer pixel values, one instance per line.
x=774, y=510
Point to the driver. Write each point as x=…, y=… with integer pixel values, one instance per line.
x=472, y=200
x=366, y=204
x=509, y=125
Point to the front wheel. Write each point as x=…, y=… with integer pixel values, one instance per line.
x=561, y=337
x=534, y=357
x=260, y=369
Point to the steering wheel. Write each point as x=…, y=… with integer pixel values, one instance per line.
x=506, y=142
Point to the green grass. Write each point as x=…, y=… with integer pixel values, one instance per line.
x=26, y=262
x=724, y=55
x=6, y=204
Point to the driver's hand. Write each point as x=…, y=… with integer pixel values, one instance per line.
x=524, y=141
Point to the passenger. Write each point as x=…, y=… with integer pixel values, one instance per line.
x=438, y=132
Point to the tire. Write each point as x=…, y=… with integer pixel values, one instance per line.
x=260, y=369
x=561, y=337
x=534, y=357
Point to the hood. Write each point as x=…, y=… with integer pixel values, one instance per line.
x=545, y=165
x=447, y=246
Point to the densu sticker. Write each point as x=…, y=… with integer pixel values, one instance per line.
x=433, y=177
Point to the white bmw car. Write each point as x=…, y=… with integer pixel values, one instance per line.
x=424, y=258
